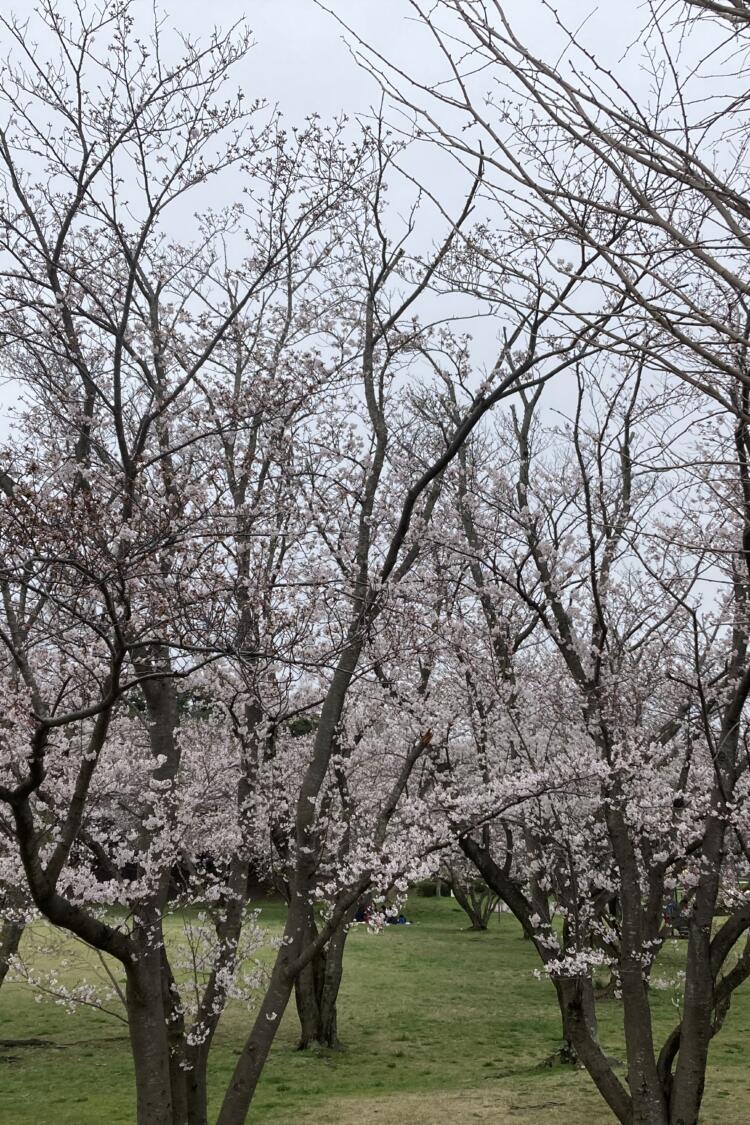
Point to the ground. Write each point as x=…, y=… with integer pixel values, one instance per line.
x=440, y=1025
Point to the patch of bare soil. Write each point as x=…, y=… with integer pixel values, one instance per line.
x=462, y=1107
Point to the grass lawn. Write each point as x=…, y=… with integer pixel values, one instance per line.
x=440, y=1026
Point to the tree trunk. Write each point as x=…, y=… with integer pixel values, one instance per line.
x=588, y=1006
x=587, y=1014
x=567, y=1052
x=569, y=990
x=467, y=904
x=316, y=992
x=149, y=1043
x=698, y=1007
x=175, y=1040
x=197, y=1084
x=215, y=997
x=307, y=997
x=573, y=1006
x=10, y=938
x=162, y=706
x=254, y=1053
x=333, y=972
x=646, y=1090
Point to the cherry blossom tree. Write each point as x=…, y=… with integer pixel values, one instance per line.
x=248, y=555
x=109, y=324
x=649, y=683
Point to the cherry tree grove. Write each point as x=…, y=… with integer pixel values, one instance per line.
x=304, y=586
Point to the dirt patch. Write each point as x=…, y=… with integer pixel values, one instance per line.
x=457, y=1108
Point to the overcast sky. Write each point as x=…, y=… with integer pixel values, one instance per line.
x=301, y=63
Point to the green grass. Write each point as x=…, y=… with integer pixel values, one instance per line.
x=440, y=1025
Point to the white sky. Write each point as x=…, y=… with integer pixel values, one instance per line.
x=301, y=63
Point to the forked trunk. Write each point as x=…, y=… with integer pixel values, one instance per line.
x=332, y=974
x=475, y=909
x=316, y=993
x=307, y=997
